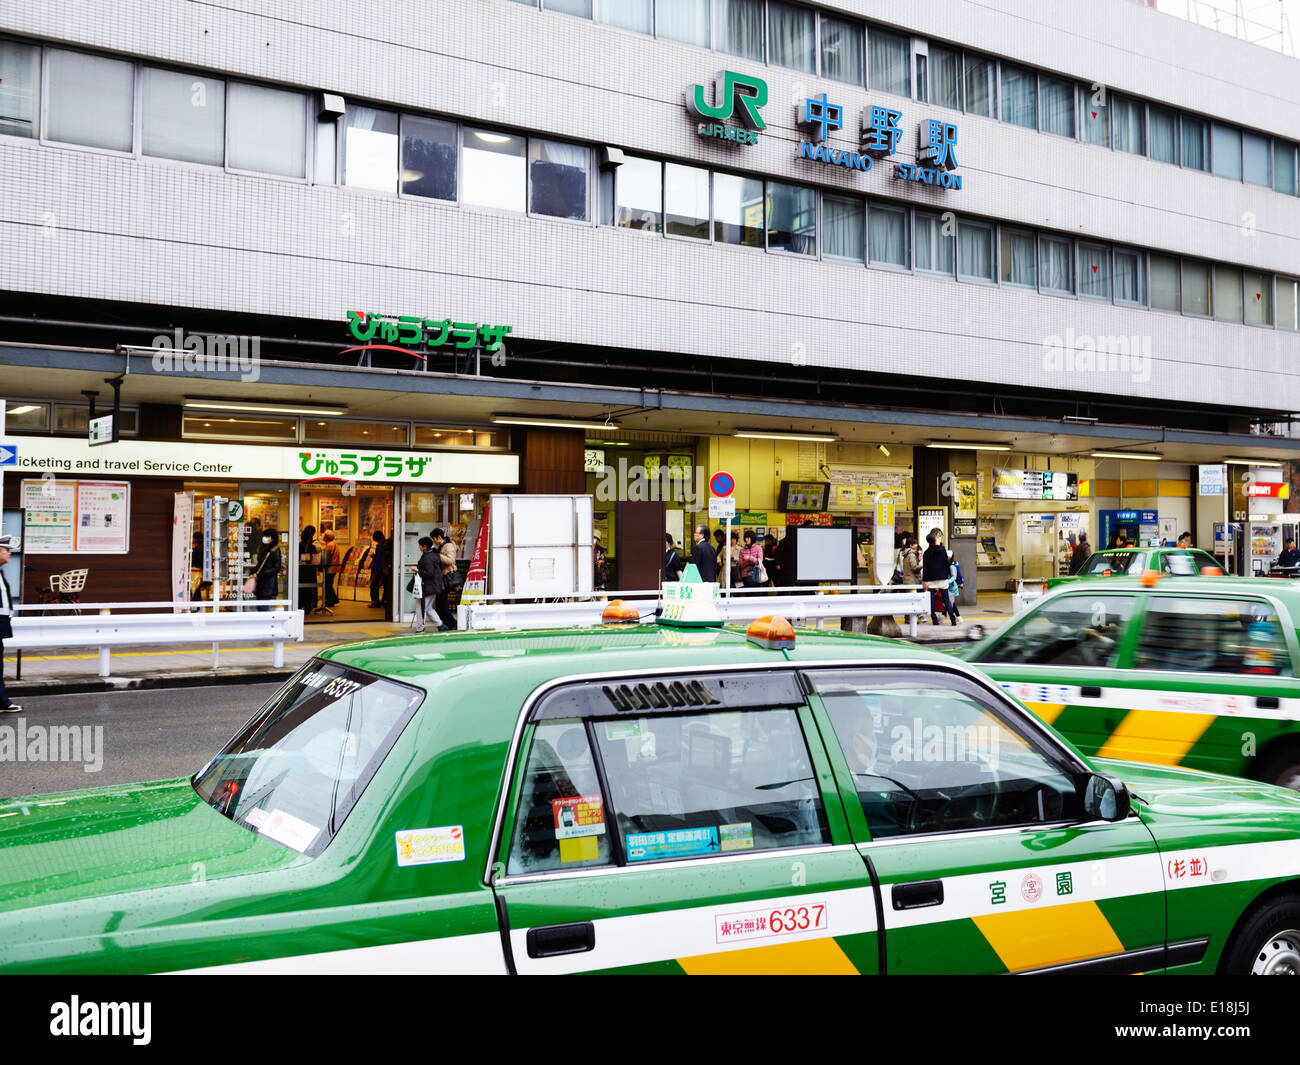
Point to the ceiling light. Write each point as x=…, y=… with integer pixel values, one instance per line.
x=883, y=450
x=1251, y=462
x=1080, y=419
x=760, y=434
x=549, y=423
x=966, y=446
x=263, y=408
x=409, y=175
x=1143, y=456
x=491, y=138
x=26, y=408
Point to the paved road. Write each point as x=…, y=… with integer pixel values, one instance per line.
x=136, y=735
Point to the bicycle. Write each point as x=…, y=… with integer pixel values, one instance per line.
x=63, y=596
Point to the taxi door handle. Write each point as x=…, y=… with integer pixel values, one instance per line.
x=560, y=939
x=1267, y=702
x=1090, y=691
x=917, y=894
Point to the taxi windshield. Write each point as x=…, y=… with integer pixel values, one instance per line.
x=1118, y=562
x=298, y=767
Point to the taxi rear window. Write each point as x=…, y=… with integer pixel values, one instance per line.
x=1203, y=634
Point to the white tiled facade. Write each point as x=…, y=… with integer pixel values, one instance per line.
x=85, y=223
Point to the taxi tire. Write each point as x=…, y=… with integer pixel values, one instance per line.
x=1282, y=767
x=1268, y=938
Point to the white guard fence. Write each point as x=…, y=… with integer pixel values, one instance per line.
x=799, y=606
x=37, y=627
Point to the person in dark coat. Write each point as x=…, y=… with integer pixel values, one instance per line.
x=6, y=627
x=268, y=567
x=703, y=555
x=429, y=567
x=1082, y=552
x=769, y=560
x=672, y=560
x=308, y=569
x=936, y=572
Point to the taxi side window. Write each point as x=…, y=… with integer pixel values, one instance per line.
x=1204, y=635
x=560, y=818
x=1185, y=563
x=692, y=785
x=930, y=754
x=1076, y=630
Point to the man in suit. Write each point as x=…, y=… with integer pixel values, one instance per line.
x=6, y=627
x=704, y=557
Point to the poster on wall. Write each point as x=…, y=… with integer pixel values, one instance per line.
x=965, y=501
x=332, y=516
x=77, y=517
x=103, y=525
x=182, y=546
x=51, y=509
x=373, y=514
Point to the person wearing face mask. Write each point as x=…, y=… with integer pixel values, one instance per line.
x=268, y=567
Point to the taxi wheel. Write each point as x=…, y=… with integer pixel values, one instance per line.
x=1268, y=942
x=1282, y=769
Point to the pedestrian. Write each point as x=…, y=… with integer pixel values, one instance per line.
x=386, y=569
x=1185, y=540
x=1289, y=556
x=6, y=626
x=1082, y=552
x=720, y=555
x=308, y=569
x=784, y=561
x=428, y=571
x=910, y=564
x=266, y=576
x=450, y=578
x=936, y=572
x=599, y=564
x=955, y=582
x=672, y=560
x=702, y=555
x=752, y=574
x=770, y=563
x=329, y=557
x=733, y=559
x=376, y=569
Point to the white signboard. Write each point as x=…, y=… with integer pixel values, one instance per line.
x=50, y=519
x=884, y=543
x=103, y=513
x=1212, y=479
x=722, y=507
x=82, y=517
x=101, y=430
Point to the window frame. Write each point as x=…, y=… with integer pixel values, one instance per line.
x=309, y=141
x=402, y=116
x=1073, y=293
x=1144, y=268
x=1128, y=660
x=588, y=158
x=977, y=223
x=915, y=214
x=137, y=93
x=908, y=234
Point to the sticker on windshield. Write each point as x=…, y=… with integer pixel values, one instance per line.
x=427, y=846
x=580, y=815
x=739, y=837
x=643, y=846
x=256, y=817
x=291, y=831
x=623, y=730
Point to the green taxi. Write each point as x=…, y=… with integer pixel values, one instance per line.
x=1176, y=671
x=652, y=799
x=1134, y=561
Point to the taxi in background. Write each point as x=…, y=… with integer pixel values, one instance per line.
x=1200, y=672
x=1135, y=561
x=652, y=799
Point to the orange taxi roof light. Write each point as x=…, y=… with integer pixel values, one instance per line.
x=773, y=632
x=620, y=613
x=1211, y=571
x=1150, y=577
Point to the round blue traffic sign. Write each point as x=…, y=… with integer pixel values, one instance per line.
x=722, y=484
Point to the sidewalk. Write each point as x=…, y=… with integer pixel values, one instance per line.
x=188, y=664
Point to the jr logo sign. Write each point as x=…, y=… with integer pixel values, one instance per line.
x=737, y=96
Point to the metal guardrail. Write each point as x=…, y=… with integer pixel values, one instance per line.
x=910, y=601
x=97, y=626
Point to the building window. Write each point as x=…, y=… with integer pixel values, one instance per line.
x=370, y=149
x=216, y=426
x=739, y=28
x=682, y=20
x=635, y=15
x=356, y=432
x=1284, y=168
x=935, y=253
x=1255, y=155
x=327, y=143
x=77, y=419
x=1288, y=303
x=1130, y=278
x=442, y=436
x=1227, y=293
x=1058, y=105
x=1019, y=258
x=20, y=68
x=266, y=131
x=183, y=117
x=21, y=416
x=791, y=219
x=1166, y=290
x=639, y=188
x=1095, y=116
x=1019, y=96
x=1227, y=152
x=890, y=58
x=842, y=50
x=737, y=210
x=1055, y=265
x=90, y=100
x=981, y=91
x=428, y=157
x=887, y=236
x=792, y=36
x=1127, y=118
x=1164, y=134
x=686, y=201
x=844, y=228
x=1258, y=291
x=1196, y=288
x=944, y=76
x=557, y=179
x=494, y=170
x=1196, y=143
x=1094, y=271
x=975, y=251
x=581, y=8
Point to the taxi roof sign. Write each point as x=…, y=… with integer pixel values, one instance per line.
x=772, y=632
x=620, y=613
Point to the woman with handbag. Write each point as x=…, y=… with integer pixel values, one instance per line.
x=262, y=584
x=308, y=569
x=451, y=578
x=329, y=558
x=752, y=574
x=426, y=585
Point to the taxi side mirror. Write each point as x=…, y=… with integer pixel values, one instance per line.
x=1105, y=798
